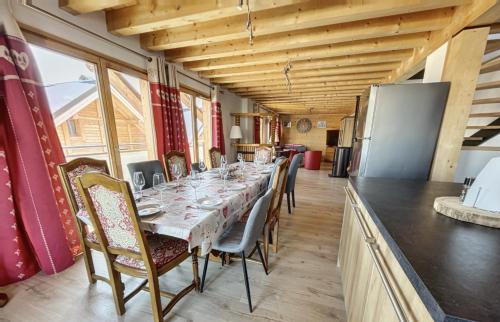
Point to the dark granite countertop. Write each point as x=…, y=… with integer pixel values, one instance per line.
x=453, y=265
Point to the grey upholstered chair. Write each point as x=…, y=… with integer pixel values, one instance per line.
x=148, y=169
x=290, y=183
x=276, y=162
x=241, y=238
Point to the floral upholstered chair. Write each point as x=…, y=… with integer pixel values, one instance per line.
x=265, y=153
x=69, y=172
x=175, y=157
x=215, y=155
x=126, y=247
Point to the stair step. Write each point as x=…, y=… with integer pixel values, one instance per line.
x=488, y=85
x=473, y=138
x=492, y=45
x=493, y=114
x=483, y=127
x=491, y=65
x=486, y=101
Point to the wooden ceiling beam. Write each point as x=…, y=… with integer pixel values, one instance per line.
x=78, y=7
x=301, y=95
x=151, y=15
x=347, y=48
x=310, y=80
x=384, y=67
x=342, y=61
x=358, y=30
x=309, y=14
x=316, y=89
x=463, y=16
x=321, y=85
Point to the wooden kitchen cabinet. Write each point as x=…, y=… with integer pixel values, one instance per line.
x=375, y=286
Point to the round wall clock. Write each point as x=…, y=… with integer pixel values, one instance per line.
x=304, y=125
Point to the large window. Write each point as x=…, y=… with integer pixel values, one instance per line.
x=101, y=109
x=196, y=109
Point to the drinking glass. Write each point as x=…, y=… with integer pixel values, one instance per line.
x=194, y=182
x=242, y=168
x=159, y=184
x=223, y=160
x=177, y=172
x=139, y=182
x=240, y=157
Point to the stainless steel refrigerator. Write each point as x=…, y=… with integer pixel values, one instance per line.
x=397, y=130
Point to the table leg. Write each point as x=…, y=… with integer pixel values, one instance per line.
x=196, y=275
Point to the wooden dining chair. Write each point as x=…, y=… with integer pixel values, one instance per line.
x=68, y=172
x=265, y=152
x=175, y=157
x=215, y=155
x=280, y=174
x=126, y=247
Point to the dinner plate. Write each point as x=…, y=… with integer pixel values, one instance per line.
x=236, y=187
x=209, y=203
x=266, y=171
x=252, y=177
x=144, y=212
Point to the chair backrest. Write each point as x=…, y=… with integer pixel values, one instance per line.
x=256, y=221
x=292, y=171
x=175, y=157
x=265, y=152
x=69, y=171
x=113, y=213
x=215, y=155
x=276, y=163
x=278, y=186
x=148, y=169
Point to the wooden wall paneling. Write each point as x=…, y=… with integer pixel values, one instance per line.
x=468, y=46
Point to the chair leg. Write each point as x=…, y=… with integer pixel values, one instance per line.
x=89, y=263
x=264, y=264
x=196, y=275
x=117, y=288
x=275, y=236
x=243, y=262
x=222, y=258
x=293, y=198
x=288, y=203
x=266, y=243
x=204, y=272
x=154, y=291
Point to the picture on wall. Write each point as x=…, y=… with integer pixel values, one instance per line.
x=321, y=125
x=287, y=124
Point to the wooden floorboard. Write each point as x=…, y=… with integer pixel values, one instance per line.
x=304, y=283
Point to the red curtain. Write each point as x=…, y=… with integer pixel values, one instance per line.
x=217, y=129
x=256, y=129
x=35, y=202
x=167, y=109
x=278, y=131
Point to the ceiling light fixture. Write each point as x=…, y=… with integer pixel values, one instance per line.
x=249, y=24
x=240, y=5
x=286, y=70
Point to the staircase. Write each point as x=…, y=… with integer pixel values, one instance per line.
x=483, y=129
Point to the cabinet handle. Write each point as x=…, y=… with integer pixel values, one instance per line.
x=355, y=206
x=372, y=247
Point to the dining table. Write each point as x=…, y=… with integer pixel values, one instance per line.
x=201, y=217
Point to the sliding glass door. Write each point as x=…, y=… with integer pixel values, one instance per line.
x=101, y=109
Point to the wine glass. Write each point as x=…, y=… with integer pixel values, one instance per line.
x=177, y=172
x=223, y=160
x=194, y=182
x=225, y=173
x=139, y=182
x=159, y=184
x=202, y=166
x=240, y=157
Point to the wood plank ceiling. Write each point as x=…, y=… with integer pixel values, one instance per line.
x=330, y=51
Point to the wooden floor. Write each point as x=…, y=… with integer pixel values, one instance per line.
x=304, y=283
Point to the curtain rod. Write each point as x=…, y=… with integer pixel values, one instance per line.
x=196, y=80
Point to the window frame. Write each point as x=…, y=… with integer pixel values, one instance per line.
x=206, y=121
x=103, y=63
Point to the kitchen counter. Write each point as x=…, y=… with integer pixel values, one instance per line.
x=454, y=266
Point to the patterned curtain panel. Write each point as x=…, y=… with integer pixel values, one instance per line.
x=34, y=206
x=278, y=131
x=256, y=129
x=217, y=129
x=167, y=109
